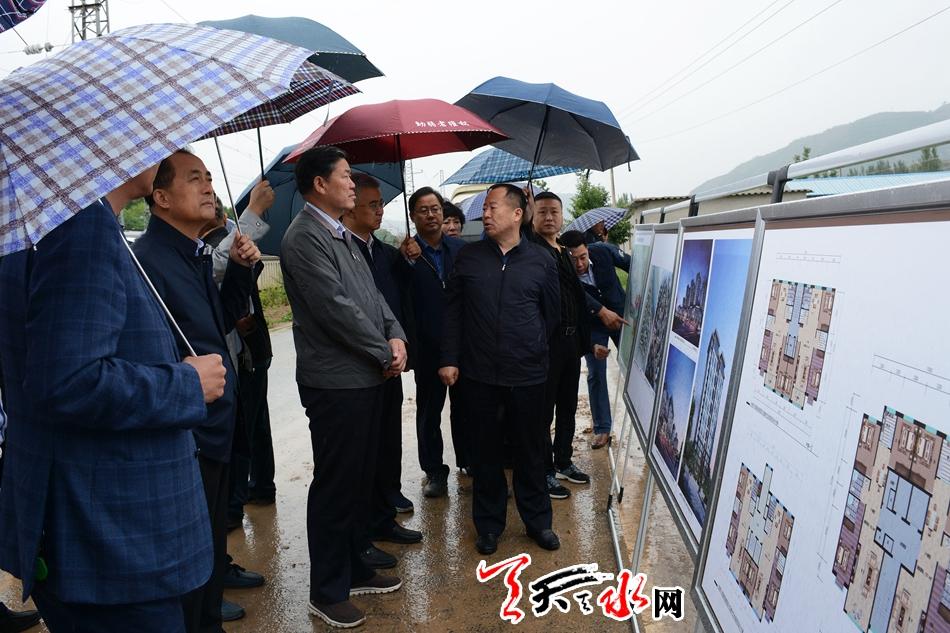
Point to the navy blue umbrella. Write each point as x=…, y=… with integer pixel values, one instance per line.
x=551, y=126
x=331, y=50
x=12, y=12
x=288, y=202
x=497, y=165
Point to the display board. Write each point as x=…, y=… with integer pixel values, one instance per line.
x=643, y=372
x=832, y=511
x=636, y=280
x=707, y=306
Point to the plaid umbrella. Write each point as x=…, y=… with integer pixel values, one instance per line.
x=610, y=215
x=497, y=165
x=12, y=12
x=76, y=125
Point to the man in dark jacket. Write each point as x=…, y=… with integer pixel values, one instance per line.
x=391, y=274
x=595, y=266
x=569, y=343
x=502, y=308
x=432, y=256
x=182, y=203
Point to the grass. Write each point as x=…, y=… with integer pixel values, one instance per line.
x=276, y=305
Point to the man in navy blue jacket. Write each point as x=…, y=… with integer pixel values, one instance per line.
x=595, y=264
x=502, y=308
x=432, y=255
x=182, y=203
x=103, y=514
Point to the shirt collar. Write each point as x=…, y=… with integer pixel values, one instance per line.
x=428, y=247
x=336, y=224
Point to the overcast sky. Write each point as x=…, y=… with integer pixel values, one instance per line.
x=628, y=54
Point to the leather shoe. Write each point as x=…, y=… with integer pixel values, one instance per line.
x=401, y=503
x=487, y=543
x=401, y=535
x=600, y=440
x=435, y=487
x=15, y=621
x=236, y=577
x=546, y=539
x=231, y=612
x=376, y=558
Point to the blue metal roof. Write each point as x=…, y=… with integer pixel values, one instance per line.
x=850, y=184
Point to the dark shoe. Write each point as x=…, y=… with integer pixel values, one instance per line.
x=376, y=584
x=401, y=503
x=236, y=577
x=235, y=522
x=600, y=440
x=435, y=487
x=399, y=534
x=261, y=500
x=231, y=612
x=465, y=470
x=556, y=490
x=546, y=539
x=16, y=621
x=487, y=543
x=573, y=475
x=342, y=615
x=376, y=558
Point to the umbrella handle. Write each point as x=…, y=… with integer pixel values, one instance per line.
x=260, y=152
x=227, y=187
x=402, y=179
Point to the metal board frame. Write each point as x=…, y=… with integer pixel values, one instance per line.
x=739, y=219
x=908, y=199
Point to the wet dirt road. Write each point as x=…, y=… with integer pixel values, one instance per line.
x=440, y=592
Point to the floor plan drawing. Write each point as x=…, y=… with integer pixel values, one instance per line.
x=795, y=339
x=760, y=530
x=894, y=548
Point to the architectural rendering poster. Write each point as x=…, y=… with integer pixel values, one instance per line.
x=649, y=347
x=832, y=514
x=707, y=307
x=636, y=279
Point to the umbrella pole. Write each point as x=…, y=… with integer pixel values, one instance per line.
x=402, y=179
x=260, y=152
x=537, y=149
x=227, y=187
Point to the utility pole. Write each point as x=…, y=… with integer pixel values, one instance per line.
x=90, y=19
x=613, y=190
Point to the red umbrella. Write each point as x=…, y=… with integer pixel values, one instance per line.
x=396, y=131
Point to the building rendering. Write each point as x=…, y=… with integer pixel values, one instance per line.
x=894, y=546
x=689, y=313
x=707, y=411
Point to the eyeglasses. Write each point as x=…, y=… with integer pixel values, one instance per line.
x=436, y=210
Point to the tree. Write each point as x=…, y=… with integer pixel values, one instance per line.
x=135, y=215
x=589, y=196
x=928, y=161
x=540, y=184
x=806, y=153
x=620, y=232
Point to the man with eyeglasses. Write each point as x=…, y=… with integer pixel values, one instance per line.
x=432, y=255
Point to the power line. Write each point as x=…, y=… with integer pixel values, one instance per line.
x=172, y=9
x=738, y=63
x=800, y=81
x=638, y=105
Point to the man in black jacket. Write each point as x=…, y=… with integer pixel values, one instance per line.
x=182, y=203
x=502, y=308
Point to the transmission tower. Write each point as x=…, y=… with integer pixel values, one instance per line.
x=90, y=19
x=411, y=177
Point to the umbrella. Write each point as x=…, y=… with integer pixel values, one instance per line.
x=12, y=12
x=330, y=49
x=472, y=207
x=78, y=124
x=497, y=165
x=551, y=126
x=610, y=216
x=401, y=130
x=288, y=202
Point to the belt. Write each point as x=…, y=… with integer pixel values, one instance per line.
x=569, y=331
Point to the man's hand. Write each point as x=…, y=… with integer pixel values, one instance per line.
x=398, y=349
x=600, y=352
x=448, y=375
x=410, y=249
x=529, y=200
x=262, y=197
x=211, y=373
x=244, y=251
x=610, y=319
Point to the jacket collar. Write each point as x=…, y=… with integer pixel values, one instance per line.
x=169, y=235
x=325, y=220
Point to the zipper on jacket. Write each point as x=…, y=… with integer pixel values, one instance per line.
x=501, y=289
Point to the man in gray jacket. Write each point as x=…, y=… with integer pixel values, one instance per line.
x=348, y=342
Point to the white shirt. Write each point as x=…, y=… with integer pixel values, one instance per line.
x=588, y=277
x=336, y=224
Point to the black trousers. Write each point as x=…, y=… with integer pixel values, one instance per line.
x=491, y=408
x=344, y=432
x=560, y=400
x=387, y=482
x=430, y=398
x=252, y=475
x=202, y=606
x=157, y=616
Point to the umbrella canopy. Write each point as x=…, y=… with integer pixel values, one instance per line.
x=288, y=202
x=551, y=126
x=400, y=130
x=12, y=12
x=610, y=216
x=330, y=49
x=497, y=165
x=78, y=124
x=472, y=207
